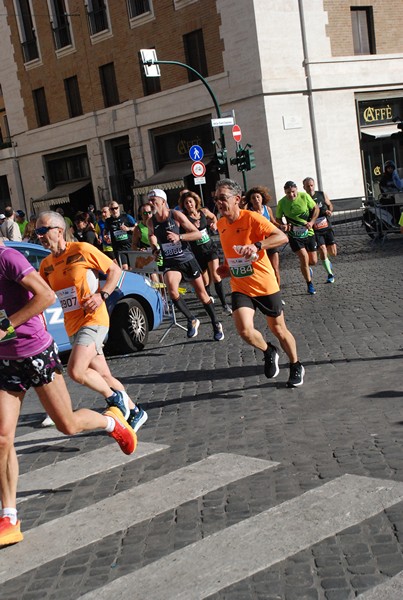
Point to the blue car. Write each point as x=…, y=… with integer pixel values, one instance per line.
x=135, y=308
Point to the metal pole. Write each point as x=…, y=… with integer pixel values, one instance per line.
x=210, y=91
x=311, y=106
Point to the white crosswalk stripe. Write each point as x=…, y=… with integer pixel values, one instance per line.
x=257, y=543
x=74, y=469
x=48, y=436
x=124, y=510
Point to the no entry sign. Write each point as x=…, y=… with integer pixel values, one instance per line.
x=236, y=133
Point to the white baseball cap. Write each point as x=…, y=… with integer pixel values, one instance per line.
x=2, y=216
x=157, y=192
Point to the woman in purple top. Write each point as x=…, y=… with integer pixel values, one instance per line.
x=29, y=357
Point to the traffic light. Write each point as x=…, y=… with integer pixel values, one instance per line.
x=234, y=161
x=245, y=159
x=239, y=159
x=249, y=159
x=241, y=154
x=220, y=160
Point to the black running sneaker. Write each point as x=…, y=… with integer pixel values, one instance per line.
x=297, y=373
x=271, y=368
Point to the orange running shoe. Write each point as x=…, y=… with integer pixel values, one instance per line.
x=123, y=433
x=9, y=534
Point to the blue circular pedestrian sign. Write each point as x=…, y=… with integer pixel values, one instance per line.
x=196, y=152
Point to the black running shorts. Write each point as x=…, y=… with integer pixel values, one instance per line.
x=190, y=270
x=204, y=259
x=309, y=243
x=325, y=238
x=271, y=305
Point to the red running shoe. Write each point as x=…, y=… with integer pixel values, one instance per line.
x=123, y=433
x=9, y=534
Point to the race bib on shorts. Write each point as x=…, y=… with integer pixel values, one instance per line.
x=172, y=249
x=321, y=223
x=120, y=235
x=299, y=232
x=240, y=267
x=68, y=299
x=204, y=238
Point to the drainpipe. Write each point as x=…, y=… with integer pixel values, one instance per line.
x=310, y=98
x=21, y=184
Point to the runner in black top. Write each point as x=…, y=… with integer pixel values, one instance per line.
x=205, y=250
x=323, y=229
x=119, y=228
x=179, y=261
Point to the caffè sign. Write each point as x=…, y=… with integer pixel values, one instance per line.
x=379, y=112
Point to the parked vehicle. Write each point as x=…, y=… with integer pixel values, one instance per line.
x=135, y=308
x=380, y=217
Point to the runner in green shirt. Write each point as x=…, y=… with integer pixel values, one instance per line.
x=300, y=212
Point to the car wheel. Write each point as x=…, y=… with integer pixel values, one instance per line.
x=129, y=327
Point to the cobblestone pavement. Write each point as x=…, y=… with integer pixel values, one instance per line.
x=205, y=398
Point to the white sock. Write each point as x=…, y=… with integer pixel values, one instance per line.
x=11, y=513
x=111, y=424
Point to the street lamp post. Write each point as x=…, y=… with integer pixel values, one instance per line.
x=152, y=60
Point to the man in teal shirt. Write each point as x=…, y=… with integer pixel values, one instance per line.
x=300, y=212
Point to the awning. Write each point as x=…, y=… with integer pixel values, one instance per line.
x=170, y=177
x=380, y=131
x=59, y=194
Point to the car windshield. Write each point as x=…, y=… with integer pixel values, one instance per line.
x=33, y=255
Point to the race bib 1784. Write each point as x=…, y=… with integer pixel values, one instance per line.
x=240, y=267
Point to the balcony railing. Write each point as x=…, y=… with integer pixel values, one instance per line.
x=30, y=50
x=138, y=7
x=98, y=20
x=62, y=36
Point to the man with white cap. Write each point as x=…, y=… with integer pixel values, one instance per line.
x=164, y=228
x=9, y=228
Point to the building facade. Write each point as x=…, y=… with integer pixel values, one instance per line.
x=314, y=85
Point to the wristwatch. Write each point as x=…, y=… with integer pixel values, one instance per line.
x=258, y=245
x=5, y=325
x=104, y=295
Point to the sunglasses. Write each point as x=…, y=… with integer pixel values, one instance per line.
x=114, y=207
x=147, y=212
x=222, y=198
x=44, y=230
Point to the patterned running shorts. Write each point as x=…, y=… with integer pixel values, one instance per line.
x=19, y=374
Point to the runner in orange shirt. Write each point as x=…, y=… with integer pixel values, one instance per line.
x=72, y=271
x=245, y=236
